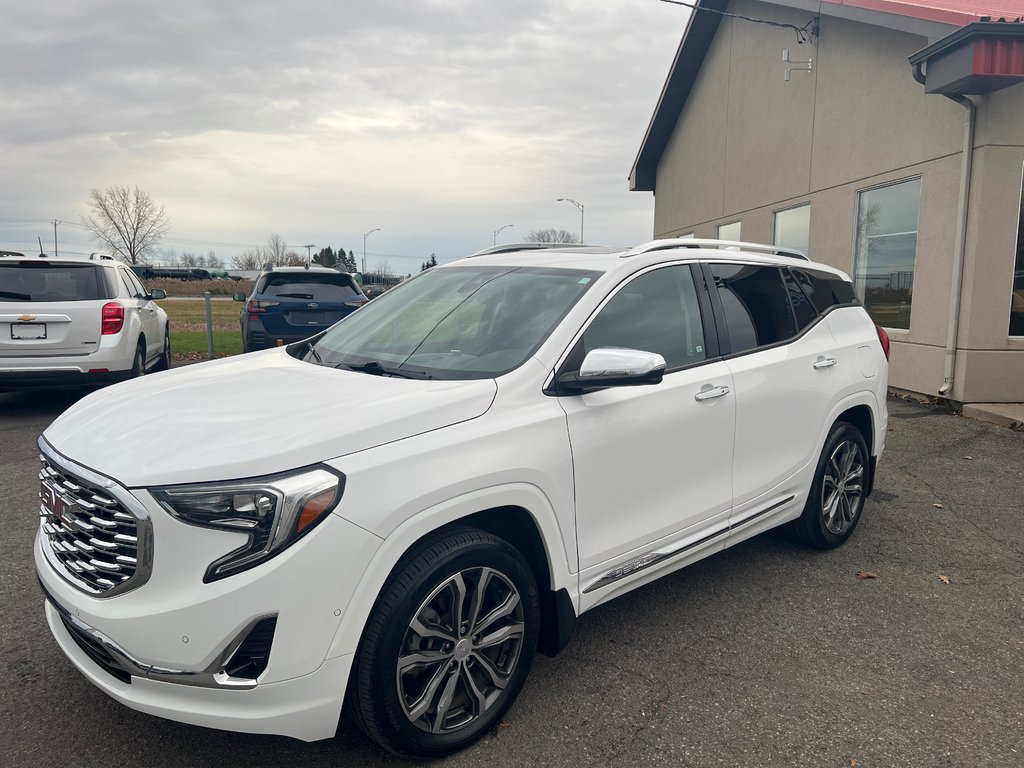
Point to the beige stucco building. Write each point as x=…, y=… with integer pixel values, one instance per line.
x=854, y=160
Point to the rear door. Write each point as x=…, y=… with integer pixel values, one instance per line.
x=51, y=309
x=145, y=308
x=785, y=367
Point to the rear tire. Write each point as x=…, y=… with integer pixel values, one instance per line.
x=139, y=364
x=836, y=500
x=164, y=362
x=447, y=647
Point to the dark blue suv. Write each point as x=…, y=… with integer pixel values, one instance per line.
x=293, y=303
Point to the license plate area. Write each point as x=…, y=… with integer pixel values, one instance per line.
x=306, y=318
x=28, y=330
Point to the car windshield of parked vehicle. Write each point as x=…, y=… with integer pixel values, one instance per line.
x=40, y=281
x=312, y=286
x=464, y=322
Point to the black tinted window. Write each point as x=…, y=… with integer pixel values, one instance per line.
x=656, y=312
x=825, y=290
x=39, y=281
x=312, y=286
x=756, y=304
x=803, y=310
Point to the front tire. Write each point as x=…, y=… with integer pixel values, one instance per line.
x=448, y=646
x=836, y=500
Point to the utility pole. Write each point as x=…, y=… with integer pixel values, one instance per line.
x=578, y=205
x=364, y=246
x=309, y=249
x=55, y=223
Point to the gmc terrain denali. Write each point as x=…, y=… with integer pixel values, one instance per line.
x=394, y=515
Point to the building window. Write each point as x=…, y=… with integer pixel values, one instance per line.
x=883, y=263
x=792, y=228
x=729, y=231
x=1017, y=291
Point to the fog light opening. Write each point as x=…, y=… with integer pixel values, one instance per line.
x=250, y=660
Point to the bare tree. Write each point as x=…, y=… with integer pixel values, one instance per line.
x=277, y=249
x=250, y=260
x=127, y=221
x=551, y=235
x=190, y=259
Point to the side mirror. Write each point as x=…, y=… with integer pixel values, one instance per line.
x=159, y=293
x=238, y=296
x=614, y=367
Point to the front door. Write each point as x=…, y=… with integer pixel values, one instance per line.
x=652, y=464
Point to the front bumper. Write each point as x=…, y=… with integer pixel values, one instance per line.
x=306, y=707
x=161, y=648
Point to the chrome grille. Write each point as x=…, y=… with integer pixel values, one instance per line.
x=91, y=536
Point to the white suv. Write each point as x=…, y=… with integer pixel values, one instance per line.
x=76, y=322
x=397, y=513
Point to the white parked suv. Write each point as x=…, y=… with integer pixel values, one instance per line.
x=396, y=514
x=76, y=322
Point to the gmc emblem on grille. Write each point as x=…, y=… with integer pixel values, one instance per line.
x=54, y=505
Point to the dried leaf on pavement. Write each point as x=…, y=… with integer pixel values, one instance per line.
x=969, y=458
x=939, y=505
x=867, y=575
x=944, y=579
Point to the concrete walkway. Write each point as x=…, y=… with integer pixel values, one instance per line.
x=1004, y=414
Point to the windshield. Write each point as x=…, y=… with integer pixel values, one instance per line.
x=455, y=323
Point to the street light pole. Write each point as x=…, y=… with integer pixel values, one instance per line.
x=504, y=226
x=578, y=205
x=309, y=250
x=377, y=229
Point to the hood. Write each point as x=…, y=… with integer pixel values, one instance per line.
x=251, y=415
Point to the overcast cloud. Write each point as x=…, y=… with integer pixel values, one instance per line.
x=436, y=120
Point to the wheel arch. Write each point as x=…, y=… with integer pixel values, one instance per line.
x=519, y=514
x=862, y=417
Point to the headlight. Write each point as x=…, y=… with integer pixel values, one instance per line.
x=274, y=511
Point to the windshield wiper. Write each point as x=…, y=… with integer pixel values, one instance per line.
x=374, y=368
x=15, y=296
x=314, y=353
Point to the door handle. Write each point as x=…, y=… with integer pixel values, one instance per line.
x=710, y=393
x=824, y=362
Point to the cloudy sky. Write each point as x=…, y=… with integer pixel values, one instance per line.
x=437, y=121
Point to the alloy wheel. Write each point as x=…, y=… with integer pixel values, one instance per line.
x=460, y=650
x=842, y=487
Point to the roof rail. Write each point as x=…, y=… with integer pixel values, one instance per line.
x=727, y=245
x=526, y=246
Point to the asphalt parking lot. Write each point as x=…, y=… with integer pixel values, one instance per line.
x=765, y=655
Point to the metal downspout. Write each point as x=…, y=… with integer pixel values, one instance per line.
x=960, y=245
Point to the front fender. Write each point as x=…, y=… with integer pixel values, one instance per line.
x=405, y=536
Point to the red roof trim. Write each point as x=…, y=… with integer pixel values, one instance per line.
x=960, y=17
